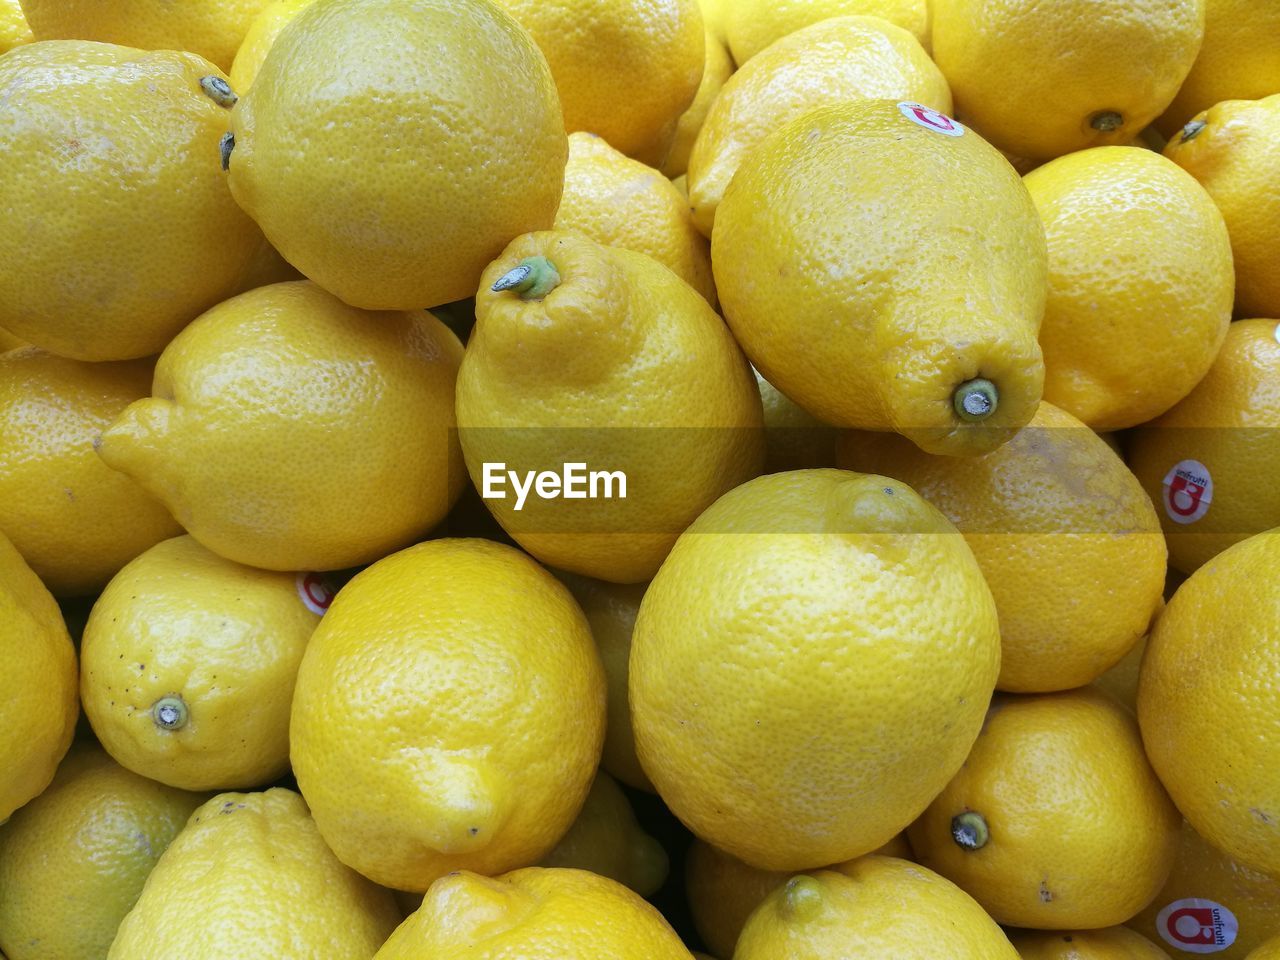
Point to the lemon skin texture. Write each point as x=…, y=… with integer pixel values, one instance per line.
x=389, y=149
x=1109, y=943
x=718, y=69
x=752, y=26
x=259, y=39
x=875, y=312
x=14, y=29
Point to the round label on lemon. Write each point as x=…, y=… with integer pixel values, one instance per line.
x=315, y=592
x=1197, y=926
x=1188, y=491
x=930, y=119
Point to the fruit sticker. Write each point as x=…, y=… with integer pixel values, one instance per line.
x=1188, y=491
x=1197, y=926
x=930, y=119
x=315, y=591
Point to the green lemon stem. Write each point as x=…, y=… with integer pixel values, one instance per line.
x=533, y=279
x=975, y=400
x=801, y=898
x=1105, y=121
x=1192, y=130
x=969, y=830
x=219, y=91
x=169, y=713
x=226, y=145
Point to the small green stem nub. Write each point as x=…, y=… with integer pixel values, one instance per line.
x=1192, y=130
x=226, y=145
x=219, y=91
x=975, y=400
x=801, y=898
x=969, y=830
x=169, y=713
x=533, y=279
x=1106, y=121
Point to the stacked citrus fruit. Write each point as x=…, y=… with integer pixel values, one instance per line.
x=640, y=479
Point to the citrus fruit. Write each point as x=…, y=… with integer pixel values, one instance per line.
x=883, y=909
x=714, y=13
x=87, y=269
x=1056, y=821
x=1233, y=149
x=1205, y=698
x=1140, y=284
x=448, y=714
x=601, y=357
x=1223, y=433
x=621, y=202
x=1109, y=943
x=754, y=25
x=394, y=188
x=830, y=62
x=1121, y=681
x=1044, y=79
x=73, y=861
x=880, y=321
x=38, y=701
x=718, y=69
x=265, y=268
x=626, y=69
x=249, y=876
x=73, y=519
x=1268, y=951
x=794, y=438
x=9, y=342
x=539, y=913
x=1066, y=538
x=810, y=666
x=14, y=29
x=290, y=431
x=262, y=33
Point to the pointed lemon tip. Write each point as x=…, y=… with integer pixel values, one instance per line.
x=801, y=898
x=132, y=442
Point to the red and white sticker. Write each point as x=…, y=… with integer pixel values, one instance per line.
x=1197, y=926
x=315, y=591
x=1188, y=491
x=931, y=119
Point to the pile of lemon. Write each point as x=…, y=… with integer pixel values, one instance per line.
x=608, y=479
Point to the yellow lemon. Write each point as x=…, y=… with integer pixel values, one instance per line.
x=1140, y=284
x=601, y=357
x=188, y=664
x=753, y=25
x=882, y=909
x=390, y=148
x=1239, y=60
x=262, y=33
x=1068, y=541
x=1056, y=821
x=14, y=29
x=266, y=267
x=885, y=268
x=539, y=913
x=1210, y=463
x=1233, y=149
x=38, y=700
x=718, y=69
x=1268, y=951
x=1203, y=707
x=810, y=666
x=448, y=715
x=1206, y=879
x=73, y=519
x=626, y=69
x=1121, y=681
x=89, y=269
x=830, y=62
x=1109, y=943
x=794, y=438
x=73, y=861
x=607, y=840
x=714, y=14
x=1044, y=79
x=9, y=342
x=290, y=431
x=620, y=202
x=250, y=876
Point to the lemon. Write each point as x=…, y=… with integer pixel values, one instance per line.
x=249, y=876
x=1066, y=538
x=620, y=202
x=1199, y=697
x=1268, y=951
x=448, y=715
x=1044, y=79
x=266, y=267
x=1233, y=149
x=74, y=520
x=393, y=187
x=88, y=269
x=602, y=357
x=714, y=14
x=539, y=913
x=794, y=438
x=1222, y=433
x=1140, y=284
x=14, y=29
x=9, y=342
x=290, y=431
x=830, y=62
x=883, y=909
x=262, y=33
x=38, y=702
x=1121, y=681
x=1204, y=877
x=73, y=861
x=625, y=69
x=1239, y=60
x=779, y=707
x=876, y=319
x=1109, y=943
x=753, y=25
x=607, y=840
x=1056, y=821
x=718, y=69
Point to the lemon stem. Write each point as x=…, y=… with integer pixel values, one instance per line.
x=969, y=830
x=219, y=91
x=802, y=898
x=975, y=400
x=1192, y=130
x=169, y=713
x=1105, y=121
x=533, y=279
x=226, y=145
